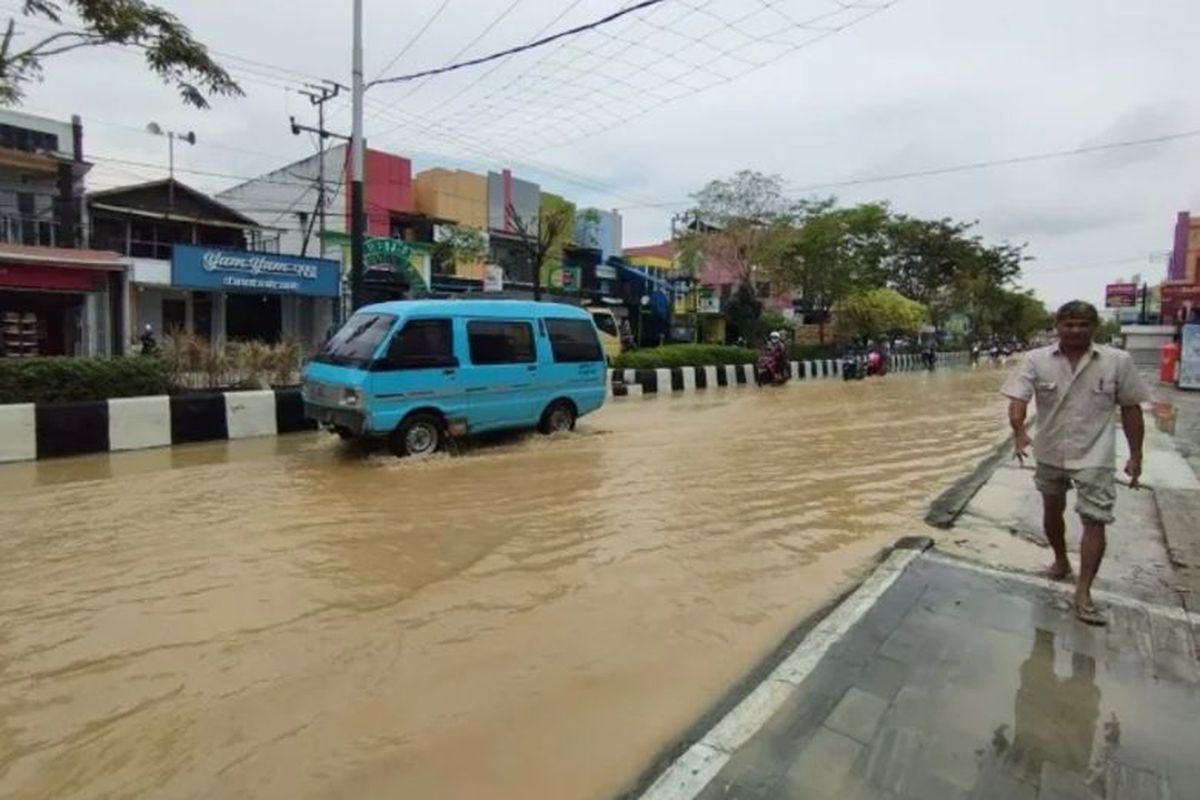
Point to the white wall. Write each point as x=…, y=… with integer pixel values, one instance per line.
x=273, y=199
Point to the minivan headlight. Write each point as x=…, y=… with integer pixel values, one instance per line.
x=351, y=397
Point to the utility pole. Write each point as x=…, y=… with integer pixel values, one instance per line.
x=319, y=96
x=356, y=158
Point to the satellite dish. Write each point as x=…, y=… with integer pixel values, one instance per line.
x=154, y=128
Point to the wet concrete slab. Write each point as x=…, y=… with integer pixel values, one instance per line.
x=961, y=682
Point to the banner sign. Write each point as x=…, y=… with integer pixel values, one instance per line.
x=219, y=269
x=493, y=278
x=1177, y=297
x=565, y=278
x=1120, y=295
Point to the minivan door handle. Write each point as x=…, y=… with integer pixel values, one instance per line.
x=448, y=371
x=532, y=368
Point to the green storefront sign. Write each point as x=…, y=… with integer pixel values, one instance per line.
x=394, y=255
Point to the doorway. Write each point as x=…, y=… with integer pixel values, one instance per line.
x=254, y=317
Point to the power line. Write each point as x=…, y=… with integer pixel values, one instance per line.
x=971, y=166
x=415, y=38
x=519, y=48
x=493, y=70
x=503, y=14
x=1077, y=151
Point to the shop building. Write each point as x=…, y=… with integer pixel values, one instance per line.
x=1180, y=293
x=289, y=199
x=198, y=266
x=55, y=298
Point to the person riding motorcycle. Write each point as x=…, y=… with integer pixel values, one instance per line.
x=772, y=366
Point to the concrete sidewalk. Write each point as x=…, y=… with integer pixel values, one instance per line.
x=964, y=682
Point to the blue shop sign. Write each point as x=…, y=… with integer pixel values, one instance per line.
x=222, y=270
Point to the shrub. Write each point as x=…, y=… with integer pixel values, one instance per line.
x=66, y=379
x=685, y=355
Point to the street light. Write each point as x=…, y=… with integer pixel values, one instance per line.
x=157, y=130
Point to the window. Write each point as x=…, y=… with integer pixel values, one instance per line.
x=574, y=340
x=423, y=343
x=355, y=344
x=606, y=323
x=501, y=342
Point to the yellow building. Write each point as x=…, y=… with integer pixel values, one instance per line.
x=452, y=194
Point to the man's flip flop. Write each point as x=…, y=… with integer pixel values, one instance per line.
x=1049, y=575
x=1090, y=615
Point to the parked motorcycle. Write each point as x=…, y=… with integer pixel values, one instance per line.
x=854, y=368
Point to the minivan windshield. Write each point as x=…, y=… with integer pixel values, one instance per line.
x=355, y=344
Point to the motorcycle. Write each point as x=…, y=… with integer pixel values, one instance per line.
x=853, y=368
x=876, y=364
x=772, y=368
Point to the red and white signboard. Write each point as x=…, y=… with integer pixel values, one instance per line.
x=1120, y=295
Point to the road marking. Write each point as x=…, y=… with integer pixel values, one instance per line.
x=687, y=776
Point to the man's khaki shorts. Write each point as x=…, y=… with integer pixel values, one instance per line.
x=1095, y=488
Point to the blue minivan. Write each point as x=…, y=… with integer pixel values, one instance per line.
x=416, y=371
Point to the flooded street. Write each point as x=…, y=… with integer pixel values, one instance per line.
x=293, y=618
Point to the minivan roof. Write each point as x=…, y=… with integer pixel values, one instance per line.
x=476, y=308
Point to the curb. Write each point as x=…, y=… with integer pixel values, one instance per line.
x=30, y=431
x=671, y=380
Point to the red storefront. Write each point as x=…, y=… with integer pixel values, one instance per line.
x=59, y=301
x=1180, y=302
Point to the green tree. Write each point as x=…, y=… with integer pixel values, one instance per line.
x=742, y=314
x=938, y=264
x=832, y=252
x=543, y=236
x=736, y=223
x=458, y=244
x=170, y=50
x=873, y=313
x=1011, y=314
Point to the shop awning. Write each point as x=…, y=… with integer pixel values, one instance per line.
x=61, y=257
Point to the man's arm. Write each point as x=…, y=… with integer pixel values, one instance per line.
x=1132, y=391
x=1017, y=410
x=1134, y=426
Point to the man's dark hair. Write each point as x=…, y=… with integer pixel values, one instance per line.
x=1078, y=309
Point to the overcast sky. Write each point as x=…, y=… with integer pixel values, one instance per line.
x=667, y=99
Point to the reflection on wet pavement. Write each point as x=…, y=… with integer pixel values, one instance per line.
x=960, y=684
x=534, y=619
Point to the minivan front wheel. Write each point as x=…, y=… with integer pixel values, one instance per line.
x=419, y=435
x=558, y=418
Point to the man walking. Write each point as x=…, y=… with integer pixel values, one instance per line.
x=1077, y=384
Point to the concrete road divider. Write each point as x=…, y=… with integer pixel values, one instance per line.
x=669, y=380
x=45, y=430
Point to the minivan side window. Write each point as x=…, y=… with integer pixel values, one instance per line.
x=422, y=343
x=501, y=342
x=574, y=340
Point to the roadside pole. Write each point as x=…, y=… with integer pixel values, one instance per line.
x=356, y=158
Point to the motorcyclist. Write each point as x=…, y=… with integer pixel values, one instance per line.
x=148, y=342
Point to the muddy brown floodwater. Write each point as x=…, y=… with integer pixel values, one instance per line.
x=292, y=618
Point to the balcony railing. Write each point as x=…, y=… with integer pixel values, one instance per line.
x=17, y=229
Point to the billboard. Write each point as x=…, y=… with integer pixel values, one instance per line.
x=1120, y=295
x=1179, y=297
x=1189, y=358
x=221, y=269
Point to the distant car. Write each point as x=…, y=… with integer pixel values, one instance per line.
x=415, y=372
x=610, y=331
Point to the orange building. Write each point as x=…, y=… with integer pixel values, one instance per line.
x=452, y=194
